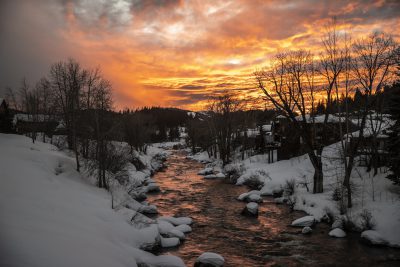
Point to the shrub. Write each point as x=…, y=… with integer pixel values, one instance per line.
x=367, y=220
x=289, y=187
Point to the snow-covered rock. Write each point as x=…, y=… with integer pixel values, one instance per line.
x=210, y=176
x=220, y=175
x=167, y=242
x=184, y=228
x=254, y=198
x=306, y=230
x=251, y=209
x=209, y=259
x=206, y=171
x=337, y=232
x=245, y=195
x=176, y=220
x=153, y=187
x=373, y=238
x=176, y=233
x=280, y=200
x=304, y=221
x=164, y=226
x=148, y=209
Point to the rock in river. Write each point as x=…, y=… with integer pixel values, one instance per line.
x=209, y=259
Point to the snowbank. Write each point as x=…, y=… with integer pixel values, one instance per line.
x=51, y=216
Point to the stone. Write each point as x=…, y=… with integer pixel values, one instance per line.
x=304, y=221
x=337, y=232
x=209, y=259
x=250, y=210
x=372, y=237
x=306, y=230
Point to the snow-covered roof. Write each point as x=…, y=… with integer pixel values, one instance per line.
x=374, y=126
x=30, y=118
x=319, y=118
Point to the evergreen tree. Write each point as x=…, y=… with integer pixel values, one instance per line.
x=394, y=140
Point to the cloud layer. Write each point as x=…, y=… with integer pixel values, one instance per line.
x=171, y=52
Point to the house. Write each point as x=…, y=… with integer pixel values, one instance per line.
x=373, y=146
x=37, y=123
x=291, y=141
x=5, y=117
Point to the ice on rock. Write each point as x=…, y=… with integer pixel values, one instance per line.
x=209, y=259
x=337, y=232
x=373, y=238
x=304, y=221
x=184, y=228
x=176, y=233
x=306, y=230
x=176, y=220
x=169, y=242
x=164, y=226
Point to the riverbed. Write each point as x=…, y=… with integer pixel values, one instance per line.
x=264, y=241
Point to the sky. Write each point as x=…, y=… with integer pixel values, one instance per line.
x=173, y=53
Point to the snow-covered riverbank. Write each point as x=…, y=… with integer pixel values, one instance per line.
x=51, y=215
x=375, y=196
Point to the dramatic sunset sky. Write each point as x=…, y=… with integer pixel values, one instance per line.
x=171, y=52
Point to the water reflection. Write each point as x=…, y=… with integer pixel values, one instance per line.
x=266, y=241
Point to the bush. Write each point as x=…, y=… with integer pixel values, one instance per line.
x=367, y=220
x=289, y=187
x=254, y=182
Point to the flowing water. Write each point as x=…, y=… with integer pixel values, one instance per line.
x=264, y=241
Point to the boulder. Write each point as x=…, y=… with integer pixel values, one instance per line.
x=254, y=198
x=164, y=227
x=220, y=175
x=372, y=237
x=209, y=259
x=206, y=171
x=304, y=221
x=169, y=242
x=176, y=220
x=153, y=187
x=210, y=176
x=337, y=232
x=251, y=210
x=176, y=233
x=306, y=230
x=184, y=228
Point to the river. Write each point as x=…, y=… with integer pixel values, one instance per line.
x=266, y=241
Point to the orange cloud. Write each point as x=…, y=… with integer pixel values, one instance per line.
x=177, y=53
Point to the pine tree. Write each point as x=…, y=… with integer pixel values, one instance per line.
x=394, y=140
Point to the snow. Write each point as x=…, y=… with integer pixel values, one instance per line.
x=206, y=171
x=167, y=242
x=337, y=232
x=211, y=258
x=176, y=233
x=184, y=228
x=373, y=237
x=376, y=194
x=164, y=227
x=176, y=220
x=304, y=221
x=63, y=220
x=306, y=230
x=252, y=207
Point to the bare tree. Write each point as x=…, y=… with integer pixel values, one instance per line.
x=289, y=84
x=221, y=122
